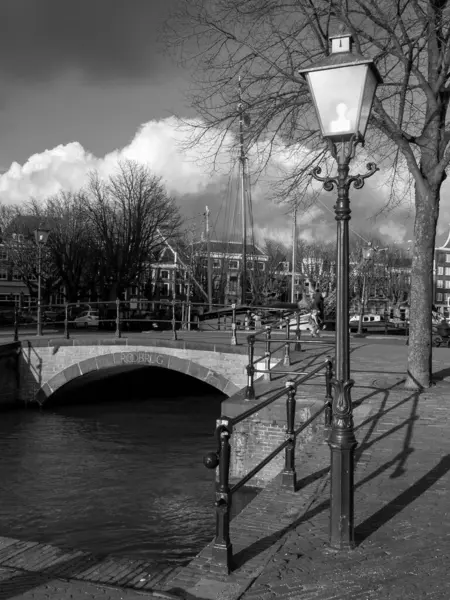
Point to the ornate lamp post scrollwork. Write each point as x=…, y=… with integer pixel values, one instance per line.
x=343, y=88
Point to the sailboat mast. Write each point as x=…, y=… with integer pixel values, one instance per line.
x=208, y=253
x=294, y=252
x=242, y=160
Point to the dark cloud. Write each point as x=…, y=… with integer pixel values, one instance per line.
x=105, y=39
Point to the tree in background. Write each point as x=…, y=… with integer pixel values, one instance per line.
x=272, y=281
x=267, y=42
x=128, y=213
x=71, y=247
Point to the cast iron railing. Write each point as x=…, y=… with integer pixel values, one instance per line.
x=222, y=553
x=119, y=316
x=270, y=351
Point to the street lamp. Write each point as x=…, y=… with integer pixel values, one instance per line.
x=343, y=87
x=41, y=237
x=367, y=254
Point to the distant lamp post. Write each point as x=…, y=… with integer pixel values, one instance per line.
x=41, y=237
x=343, y=87
x=367, y=254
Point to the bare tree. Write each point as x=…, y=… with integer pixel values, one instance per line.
x=266, y=42
x=71, y=246
x=270, y=280
x=129, y=213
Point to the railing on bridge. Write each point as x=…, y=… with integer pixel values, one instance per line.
x=123, y=316
x=270, y=351
x=222, y=552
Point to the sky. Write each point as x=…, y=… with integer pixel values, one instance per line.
x=85, y=83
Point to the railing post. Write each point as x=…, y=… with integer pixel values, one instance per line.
x=298, y=346
x=289, y=476
x=189, y=316
x=222, y=550
x=66, y=321
x=174, y=323
x=250, y=390
x=328, y=397
x=280, y=320
x=267, y=375
x=218, y=322
x=287, y=348
x=16, y=323
x=118, y=333
x=233, y=325
x=183, y=315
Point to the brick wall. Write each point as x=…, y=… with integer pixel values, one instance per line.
x=9, y=373
x=257, y=436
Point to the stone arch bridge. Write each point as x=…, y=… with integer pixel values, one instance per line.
x=47, y=364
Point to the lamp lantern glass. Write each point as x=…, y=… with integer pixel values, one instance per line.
x=343, y=88
x=367, y=252
x=41, y=235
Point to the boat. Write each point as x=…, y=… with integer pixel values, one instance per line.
x=376, y=323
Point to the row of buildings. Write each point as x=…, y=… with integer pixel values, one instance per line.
x=174, y=276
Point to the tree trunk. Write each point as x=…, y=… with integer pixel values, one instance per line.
x=421, y=298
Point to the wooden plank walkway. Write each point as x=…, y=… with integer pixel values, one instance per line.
x=60, y=563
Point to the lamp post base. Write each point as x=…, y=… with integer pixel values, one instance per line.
x=342, y=444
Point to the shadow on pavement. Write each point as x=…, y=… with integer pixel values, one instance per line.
x=382, y=516
x=395, y=506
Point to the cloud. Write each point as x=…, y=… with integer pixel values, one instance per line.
x=190, y=175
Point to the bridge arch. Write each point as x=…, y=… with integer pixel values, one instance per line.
x=121, y=361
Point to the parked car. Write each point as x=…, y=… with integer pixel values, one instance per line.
x=88, y=318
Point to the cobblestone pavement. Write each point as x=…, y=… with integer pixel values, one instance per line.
x=402, y=509
x=22, y=585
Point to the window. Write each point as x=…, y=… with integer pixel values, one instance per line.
x=446, y=297
x=233, y=285
x=3, y=273
x=216, y=263
x=447, y=284
x=447, y=271
x=165, y=289
x=16, y=276
x=440, y=283
x=440, y=271
x=164, y=274
x=447, y=258
x=260, y=266
x=3, y=254
x=249, y=266
x=439, y=297
x=234, y=264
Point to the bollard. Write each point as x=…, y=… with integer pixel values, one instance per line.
x=250, y=389
x=328, y=397
x=298, y=346
x=66, y=321
x=287, y=348
x=233, y=325
x=16, y=323
x=118, y=332
x=289, y=476
x=174, y=323
x=267, y=374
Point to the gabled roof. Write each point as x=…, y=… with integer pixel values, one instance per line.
x=220, y=247
x=446, y=246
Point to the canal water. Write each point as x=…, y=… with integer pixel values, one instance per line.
x=114, y=465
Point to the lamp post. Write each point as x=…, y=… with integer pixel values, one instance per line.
x=343, y=87
x=367, y=256
x=41, y=236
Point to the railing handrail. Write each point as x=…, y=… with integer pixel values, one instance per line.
x=222, y=551
x=264, y=403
